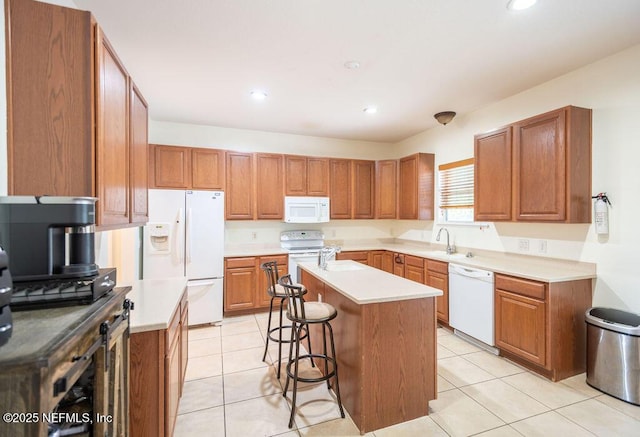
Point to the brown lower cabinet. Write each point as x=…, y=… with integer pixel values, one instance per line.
x=245, y=285
x=541, y=325
x=437, y=276
x=361, y=256
x=157, y=368
x=381, y=259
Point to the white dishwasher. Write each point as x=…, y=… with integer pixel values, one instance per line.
x=471, y=303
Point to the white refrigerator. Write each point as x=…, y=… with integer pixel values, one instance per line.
x=185, y=237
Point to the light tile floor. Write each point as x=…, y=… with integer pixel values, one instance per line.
x=231, y=392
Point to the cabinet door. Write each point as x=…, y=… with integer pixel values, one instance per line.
x=416, y=187
x=521, y=326
x=269, y=186
x=363, y=189
x=112, y=145
x=340, y=183
x=295, y=170
x=540, y=162
x=50, y=113
x=172, y=386
x=398, y=264
x=262, y=297
x=493, y=175
x=240, y=288
x=184, y=342
x=207, y=169
x=239, y=186
x=317, y=176
x=139, y=149
x=386, y=189
x=387, y=262
x=171, y=167
x=375, y=258
x=441, y=282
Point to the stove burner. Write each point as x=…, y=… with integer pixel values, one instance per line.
x=61, y=292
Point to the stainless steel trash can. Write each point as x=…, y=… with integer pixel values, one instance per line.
x=613, y=353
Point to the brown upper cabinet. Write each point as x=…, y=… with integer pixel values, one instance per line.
x=416, y=185
x=492, y=174
x=306, y=176
x=387, y=189
x=112, y=135
x=352, y=188
x=139, y=151
x=239, y=193
x=340, y=188
x=186, y=168
x=80, y=142
x=545, y=165
x=269, y=186
x=363, y=188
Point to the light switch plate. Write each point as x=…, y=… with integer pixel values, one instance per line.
x=523, y=245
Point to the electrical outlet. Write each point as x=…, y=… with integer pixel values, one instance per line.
x=254, y=235
x=523, y=245
x=542, y=246
x=333, y=233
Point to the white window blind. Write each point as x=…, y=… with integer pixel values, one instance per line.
x=456, y=184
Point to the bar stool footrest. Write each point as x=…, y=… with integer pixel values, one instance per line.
x=331, y=374
x=285, y=340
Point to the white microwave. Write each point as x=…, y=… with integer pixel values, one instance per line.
x=306, y=209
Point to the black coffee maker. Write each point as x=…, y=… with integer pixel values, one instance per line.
x=48, y=237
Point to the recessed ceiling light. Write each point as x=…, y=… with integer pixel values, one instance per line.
x=518, y=5
x=370, y=109
x=352, y=65
x=258, y=95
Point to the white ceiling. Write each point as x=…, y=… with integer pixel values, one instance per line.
x=197, y=60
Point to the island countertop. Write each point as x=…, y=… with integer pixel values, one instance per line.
x=155, y=302
x=365, y=285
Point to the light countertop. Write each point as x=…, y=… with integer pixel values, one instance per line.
x=529, y=267
x=364, y=285
x=155, y=302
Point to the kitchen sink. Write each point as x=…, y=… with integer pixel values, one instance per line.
x=333, y=266
x=443, y=254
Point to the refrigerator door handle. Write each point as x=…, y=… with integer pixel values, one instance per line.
x=188, y=236
x=180, y=236
x=200, y=282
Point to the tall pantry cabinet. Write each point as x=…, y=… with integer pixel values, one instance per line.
x=76, y=123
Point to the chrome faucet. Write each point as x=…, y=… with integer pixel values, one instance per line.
x=450, y=249
x=326, y=253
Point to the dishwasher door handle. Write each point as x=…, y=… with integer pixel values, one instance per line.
x=469, y=272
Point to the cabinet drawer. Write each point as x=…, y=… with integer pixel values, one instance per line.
x=524, y=287
x=415, y=261
x=234, y=263
x=282, y=260
x=437, y=266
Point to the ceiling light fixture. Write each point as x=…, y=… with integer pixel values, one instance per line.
x=519, y=5
x=258, y=95
x=444, y=117
x=370, y=110
x=352, y=65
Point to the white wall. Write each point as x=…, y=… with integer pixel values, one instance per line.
x=611, y=88
x=243, y=140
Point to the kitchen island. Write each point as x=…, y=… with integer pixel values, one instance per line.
x=385, y=335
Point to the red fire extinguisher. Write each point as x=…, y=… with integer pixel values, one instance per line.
x=601, y=213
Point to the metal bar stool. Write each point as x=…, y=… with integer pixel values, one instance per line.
x=302, y=314
x=276, y=291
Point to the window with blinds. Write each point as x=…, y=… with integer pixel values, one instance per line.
x=456, y=191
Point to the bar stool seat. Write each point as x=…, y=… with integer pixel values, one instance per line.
x=302, y=314
x=277, y=291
